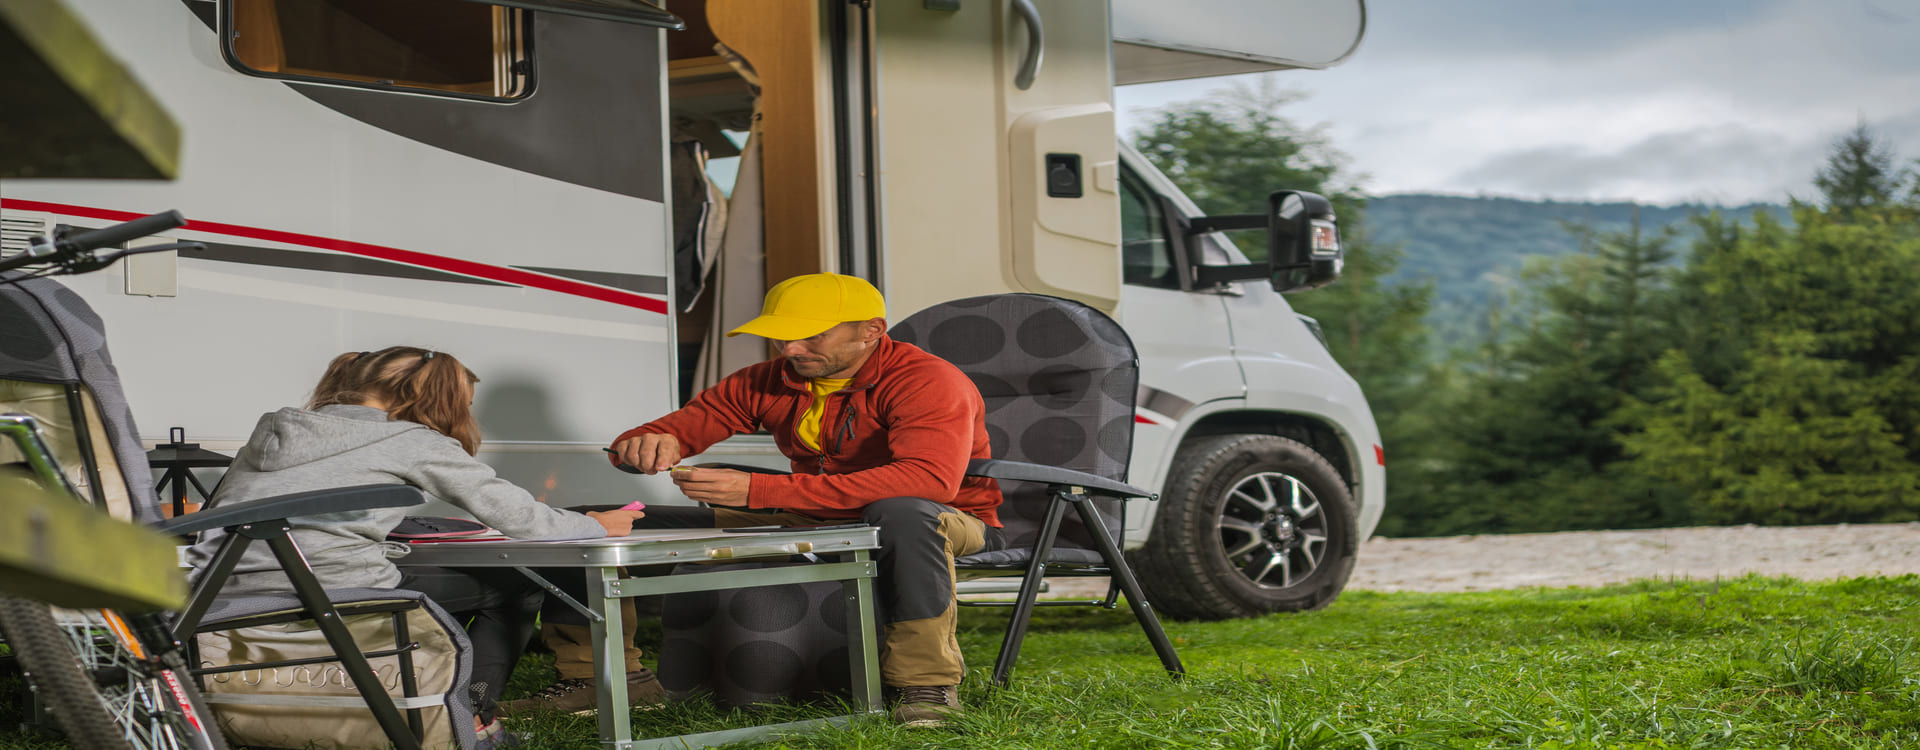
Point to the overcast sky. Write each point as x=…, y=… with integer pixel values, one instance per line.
x=1663, y=101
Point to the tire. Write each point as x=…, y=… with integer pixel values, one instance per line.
x=98, y=692
x=1248, y=525
x=41, y=647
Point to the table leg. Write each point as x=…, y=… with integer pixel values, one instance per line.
x=609, y=660
x=864, y=653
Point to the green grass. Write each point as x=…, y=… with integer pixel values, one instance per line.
x=1746, y=663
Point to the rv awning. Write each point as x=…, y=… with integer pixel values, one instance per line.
x=1154, y=40
x=626, y=11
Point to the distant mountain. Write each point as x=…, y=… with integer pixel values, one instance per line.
x=1470, y=247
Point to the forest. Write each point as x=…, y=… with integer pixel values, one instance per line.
x=1545, y=366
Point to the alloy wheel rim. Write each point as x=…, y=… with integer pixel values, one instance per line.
x=1272, y=530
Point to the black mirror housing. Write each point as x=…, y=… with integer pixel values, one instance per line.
x=1303, y=241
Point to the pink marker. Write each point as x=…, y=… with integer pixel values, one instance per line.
x=635, y=505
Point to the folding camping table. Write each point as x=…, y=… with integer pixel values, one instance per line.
x=845, y=557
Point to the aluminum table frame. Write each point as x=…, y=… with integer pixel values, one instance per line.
x=854, y=570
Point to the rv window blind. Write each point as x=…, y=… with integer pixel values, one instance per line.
x=625, y=11
x=444, y=47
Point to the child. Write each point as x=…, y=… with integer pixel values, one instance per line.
x=401, y=415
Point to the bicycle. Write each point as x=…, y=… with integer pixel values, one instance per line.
x=111, y=680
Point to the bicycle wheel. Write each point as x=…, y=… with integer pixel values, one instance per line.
x=104, y=690
x=41, y=646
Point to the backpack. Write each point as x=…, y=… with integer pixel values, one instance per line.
x=316, y=705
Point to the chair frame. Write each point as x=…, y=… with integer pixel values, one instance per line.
x=267, y=520
x=1066, y=487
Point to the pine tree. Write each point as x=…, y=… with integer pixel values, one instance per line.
x=1535, y=444
x=1859, y=174
x=1795, y=399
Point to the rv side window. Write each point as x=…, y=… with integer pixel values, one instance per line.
x=1143, y=237
x=449, y=47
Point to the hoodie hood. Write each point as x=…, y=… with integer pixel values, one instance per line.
x=294, y=437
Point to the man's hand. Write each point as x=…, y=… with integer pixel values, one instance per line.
x=651, y=453
x=714, y=486
x=617, y=522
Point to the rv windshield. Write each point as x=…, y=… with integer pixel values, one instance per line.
x=436, y=46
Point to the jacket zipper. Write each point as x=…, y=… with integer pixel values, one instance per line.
x=848, y=412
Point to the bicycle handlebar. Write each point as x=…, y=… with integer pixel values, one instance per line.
x=74, y=252
x=121, y=233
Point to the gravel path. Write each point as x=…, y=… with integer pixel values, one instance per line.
x=1597, y=558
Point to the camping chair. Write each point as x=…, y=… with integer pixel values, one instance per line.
x=327, y=609
x=55, y=370
x=1059, y=379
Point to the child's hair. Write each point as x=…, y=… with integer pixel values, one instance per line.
x=417, y=385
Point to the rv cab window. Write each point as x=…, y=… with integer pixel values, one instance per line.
x=449, y=47
x=1144, y=258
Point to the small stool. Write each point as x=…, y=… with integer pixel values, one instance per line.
x=178, y=459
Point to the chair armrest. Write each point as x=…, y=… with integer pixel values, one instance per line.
x=336, y=500
x=1026, y=472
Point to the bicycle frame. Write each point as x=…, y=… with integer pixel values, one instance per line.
x=24, y=431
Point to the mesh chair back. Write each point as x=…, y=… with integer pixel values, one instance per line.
x=1059, y=380
x=48, y=335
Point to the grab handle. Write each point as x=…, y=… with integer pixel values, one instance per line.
x=1036, y=44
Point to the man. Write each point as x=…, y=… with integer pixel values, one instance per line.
x=876, y=430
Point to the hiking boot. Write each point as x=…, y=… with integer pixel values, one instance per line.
x=926, y=705
x=577, y=696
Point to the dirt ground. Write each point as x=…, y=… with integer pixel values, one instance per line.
x=1597, y=558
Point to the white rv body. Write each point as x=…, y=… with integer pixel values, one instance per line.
x=537, y=247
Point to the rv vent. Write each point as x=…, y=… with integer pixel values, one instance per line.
x=15, y=229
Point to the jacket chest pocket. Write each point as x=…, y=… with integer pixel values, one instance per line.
x=848, y=429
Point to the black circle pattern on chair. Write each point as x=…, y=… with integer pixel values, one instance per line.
x=764, y=667
x=1054, y=441
x=691, y=610
x=771, y=611
x=1051, y=334
x=1059, y=387
x=967, y=340
x=995, y=391
x=20, y=338
x=1121, y=387
x=1041, y=363
x=1115, y=438
x=766, y=644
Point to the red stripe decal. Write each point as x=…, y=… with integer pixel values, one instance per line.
x=1380, y=455
x=396, y=255
x=1137, y=419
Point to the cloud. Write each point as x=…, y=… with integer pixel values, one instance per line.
x=1656, y=101
x=1694, y=165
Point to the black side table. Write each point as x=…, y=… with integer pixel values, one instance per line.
x=177, y=460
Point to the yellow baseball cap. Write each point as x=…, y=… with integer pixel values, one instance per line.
x=805, y=306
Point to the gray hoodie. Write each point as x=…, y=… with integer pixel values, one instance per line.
x=294, y=450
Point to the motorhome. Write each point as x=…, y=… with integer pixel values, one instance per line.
x=578, y=196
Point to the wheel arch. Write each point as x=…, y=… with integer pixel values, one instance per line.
x=1349, y=454
x=1314, y=432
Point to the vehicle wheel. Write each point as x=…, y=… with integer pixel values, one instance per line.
x=1248, y=524
x=99, y=691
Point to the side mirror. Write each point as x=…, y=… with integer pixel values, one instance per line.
x=1303, y=243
